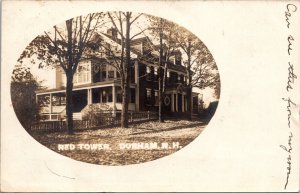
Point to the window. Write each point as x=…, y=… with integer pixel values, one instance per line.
x=103, y=72
x=63, y=100
x=182, y=78
x=109, y=95
x=83, y=73
x=148, y=73
x=58, y=100
x=132, y=74
x=173, y=77
x=119, y=95
x=110, y=74
x=132, y=93
x=43, y=100
x=103, y=96
x=176, y=77
x=178, y=59
x=148, y=94
x=156, y=97
x=155, y=73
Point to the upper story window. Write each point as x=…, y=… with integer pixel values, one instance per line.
x=150, y=73
x=173, y=77
x=83, y=73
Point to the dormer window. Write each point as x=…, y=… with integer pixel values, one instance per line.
x=178, y=60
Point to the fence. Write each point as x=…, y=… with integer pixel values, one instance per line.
x=103, y=120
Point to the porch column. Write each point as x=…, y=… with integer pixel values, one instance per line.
x=36, y=99
x=115, y=73
x=186, y=109
x=172, y=102
x=114, y=99
x=106, y=68
x=89, y=96
x=176, y=102
x=100, y=94
x=137, y=88
x=50, y=106
x=182, y=102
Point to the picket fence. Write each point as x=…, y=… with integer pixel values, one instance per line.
x=102, y=121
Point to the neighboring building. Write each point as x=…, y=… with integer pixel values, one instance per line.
x=96, y=83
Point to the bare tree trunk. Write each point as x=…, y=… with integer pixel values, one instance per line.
x=189, y=102
x=164, y=82
x=69, y=103
x=124, y=119
x=189, y=87
x=69, y=75
x=160, y=119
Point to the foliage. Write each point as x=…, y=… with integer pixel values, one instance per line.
x=23, y=87
x=64, y=46
x=199, y=61
x=171, y=131
x=96, y=111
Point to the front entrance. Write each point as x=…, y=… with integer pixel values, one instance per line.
x=179, y=102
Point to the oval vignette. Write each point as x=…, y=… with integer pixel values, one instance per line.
x=115, y=88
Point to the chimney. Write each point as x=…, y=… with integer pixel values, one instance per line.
x=112, y=32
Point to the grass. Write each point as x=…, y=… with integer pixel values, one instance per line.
x=178, y=132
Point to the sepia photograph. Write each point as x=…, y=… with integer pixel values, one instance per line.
x=150, y=96
x=115, y=88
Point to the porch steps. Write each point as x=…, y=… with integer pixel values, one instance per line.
x=77, y=116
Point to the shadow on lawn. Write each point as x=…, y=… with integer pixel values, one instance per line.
x=170, y=129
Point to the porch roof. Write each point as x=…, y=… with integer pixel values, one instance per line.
x=84, y=86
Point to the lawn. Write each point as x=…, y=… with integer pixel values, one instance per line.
x=116, y=146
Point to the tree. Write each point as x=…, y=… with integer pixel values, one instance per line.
x=23, y=87
x=200, y=66
x=191, y=47
x=122, y=22
x=206, y=73
x=162, y=31
x=65, y=46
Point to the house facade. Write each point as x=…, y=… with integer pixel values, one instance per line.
x=98, y=84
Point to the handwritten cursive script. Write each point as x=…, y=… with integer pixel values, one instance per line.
x=291, y=77
x=290, y=40
x=289, y=103
x=290, y=8
x=289, y=158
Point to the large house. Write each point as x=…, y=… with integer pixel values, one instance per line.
x=98, y=84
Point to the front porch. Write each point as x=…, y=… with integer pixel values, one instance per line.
x=53, y=104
